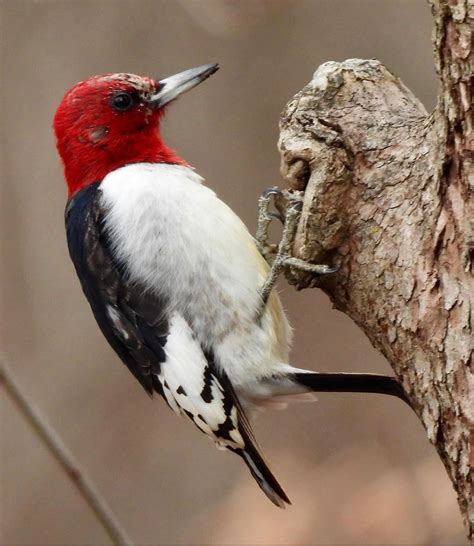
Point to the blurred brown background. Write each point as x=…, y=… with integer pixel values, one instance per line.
x=358, y=469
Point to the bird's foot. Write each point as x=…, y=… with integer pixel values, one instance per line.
x=283, y=257
x=265, y=217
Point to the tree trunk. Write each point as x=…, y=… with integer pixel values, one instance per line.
x=389, y=196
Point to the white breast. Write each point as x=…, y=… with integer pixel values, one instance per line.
x=179, y=240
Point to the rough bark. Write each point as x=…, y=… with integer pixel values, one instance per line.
x=389, y=196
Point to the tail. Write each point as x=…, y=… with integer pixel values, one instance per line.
x=349, y=382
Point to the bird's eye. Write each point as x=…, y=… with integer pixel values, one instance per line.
x=122, y=101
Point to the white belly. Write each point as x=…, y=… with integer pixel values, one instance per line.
x=179, y=240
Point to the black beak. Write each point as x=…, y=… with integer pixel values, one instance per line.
x=172, y=87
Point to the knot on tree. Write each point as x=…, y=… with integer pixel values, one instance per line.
x=354, y=139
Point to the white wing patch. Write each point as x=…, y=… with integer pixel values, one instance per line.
x=192, y=390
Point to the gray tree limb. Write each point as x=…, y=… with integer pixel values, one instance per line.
x=389, y=196
x=65, y=458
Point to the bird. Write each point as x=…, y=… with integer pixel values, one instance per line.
x=172, y=274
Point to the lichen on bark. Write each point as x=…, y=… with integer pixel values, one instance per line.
x=389, y=196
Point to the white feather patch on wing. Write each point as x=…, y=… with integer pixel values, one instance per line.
x=184, y=375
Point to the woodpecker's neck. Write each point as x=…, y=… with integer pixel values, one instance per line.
x=89, y=157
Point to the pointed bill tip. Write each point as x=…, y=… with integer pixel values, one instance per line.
x=213, y=68
x=173, y=86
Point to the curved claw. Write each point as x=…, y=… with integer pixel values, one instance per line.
x=266, y=194
x=296, y=206
x=330, y=269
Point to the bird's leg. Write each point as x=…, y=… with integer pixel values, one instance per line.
x=264, y=219
x=283, y=256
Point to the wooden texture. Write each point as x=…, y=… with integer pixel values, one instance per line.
x=389, y=196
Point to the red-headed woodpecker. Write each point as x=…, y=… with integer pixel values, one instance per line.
x=172, y=275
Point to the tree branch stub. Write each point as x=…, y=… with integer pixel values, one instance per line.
x=389, y=196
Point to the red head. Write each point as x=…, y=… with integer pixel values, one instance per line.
x=109, y=121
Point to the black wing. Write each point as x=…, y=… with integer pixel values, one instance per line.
x=128, y=316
